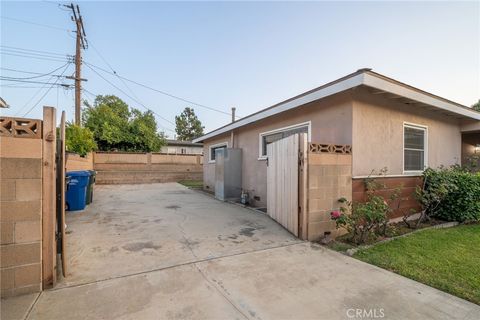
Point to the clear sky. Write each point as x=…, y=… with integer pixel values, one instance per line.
x=244, y=54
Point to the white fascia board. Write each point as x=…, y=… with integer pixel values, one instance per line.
x=387, y=86
x=470, y=127
x=316, y=95
x=357, y=80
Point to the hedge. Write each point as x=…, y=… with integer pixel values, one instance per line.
x=462, y=201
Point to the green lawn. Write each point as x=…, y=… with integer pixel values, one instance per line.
x=447, y=259
x=192, y=183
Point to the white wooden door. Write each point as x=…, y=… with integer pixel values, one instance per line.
x=282, y=182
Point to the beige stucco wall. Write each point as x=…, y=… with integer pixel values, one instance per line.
x=330, y=119
x=378, y=134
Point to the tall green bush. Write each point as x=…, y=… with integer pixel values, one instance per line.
x=117, y=127
x=460, y=193
x=79, y=140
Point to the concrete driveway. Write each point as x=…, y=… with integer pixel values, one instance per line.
x=162, y=251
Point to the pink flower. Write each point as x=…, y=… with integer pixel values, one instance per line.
x=335, y=214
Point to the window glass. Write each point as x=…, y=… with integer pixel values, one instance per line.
x=414, y=138
x=414, y=149
x=212, y=151
x=269, y=138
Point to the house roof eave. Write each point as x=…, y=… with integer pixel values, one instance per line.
x=362, y=77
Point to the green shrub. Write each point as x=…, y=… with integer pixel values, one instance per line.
x=79, y=140
x=361, y=220
x=457, y=191
x=367, y=219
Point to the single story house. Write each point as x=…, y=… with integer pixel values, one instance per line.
x=181, y=147
x=381, y=122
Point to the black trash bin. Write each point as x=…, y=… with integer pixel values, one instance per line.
x=91, y=182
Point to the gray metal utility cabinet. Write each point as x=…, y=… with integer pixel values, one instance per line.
x=228, y=174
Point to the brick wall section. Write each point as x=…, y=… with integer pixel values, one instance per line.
x=329, y=179
x=407, y=202
x=20, y=215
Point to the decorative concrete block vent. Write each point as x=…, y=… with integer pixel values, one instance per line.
x=329, y=179
x=21, y=128
x=21, y=205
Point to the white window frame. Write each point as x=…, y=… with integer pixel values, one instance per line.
x=221, y=144
x=295, y=126
x=425, y=145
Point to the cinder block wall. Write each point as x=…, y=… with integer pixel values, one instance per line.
x=75, y=163
x=21, y=215
x=131, y=168
x=329, y=179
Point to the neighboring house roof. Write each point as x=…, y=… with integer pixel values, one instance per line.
x=362, y=77
x=183, y=143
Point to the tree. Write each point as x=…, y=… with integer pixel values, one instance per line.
x=116, y=127
x=476, y=106
x=143, y=130
x=79, y=140
x=188, y=127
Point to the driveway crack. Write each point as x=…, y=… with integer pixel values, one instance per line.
x=221, y=292
x=184, y=234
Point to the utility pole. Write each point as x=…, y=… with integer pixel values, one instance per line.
x=81, y=43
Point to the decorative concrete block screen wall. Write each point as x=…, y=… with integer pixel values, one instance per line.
x=21, y=205
x=329, y=179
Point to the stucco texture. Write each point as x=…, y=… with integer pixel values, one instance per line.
x=378, y=134
x=330, y=118
x=372, y=124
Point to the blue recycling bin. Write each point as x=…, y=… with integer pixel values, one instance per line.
x=77, y=190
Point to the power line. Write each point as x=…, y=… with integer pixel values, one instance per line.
x=55, y=3
x=111, y=68
x=126, y=85
x=159, y=91
x=90, y=93
x=48, y=90
x=20, y=71
x=33, y=97
x=123, y=81
x=35, y=82
x=15, y=86
x=132, y=98
x=35, y=57
x=33, y=51
x=40, y=75
x=34, y=23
